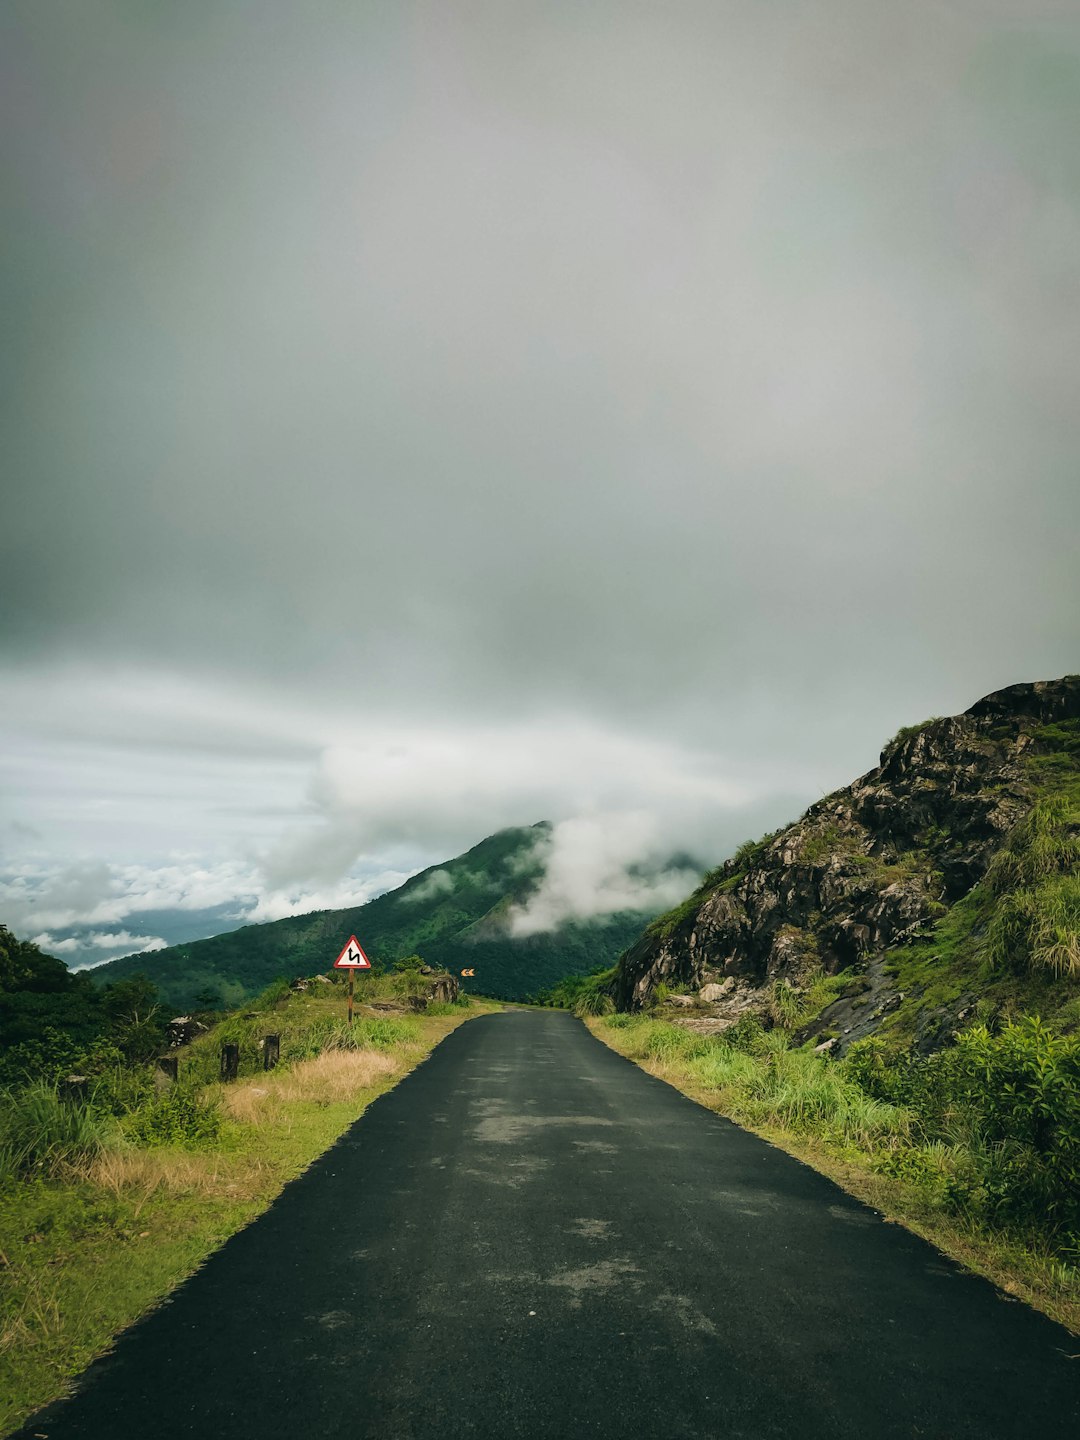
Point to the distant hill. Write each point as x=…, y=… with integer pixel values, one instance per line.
x=449, y=914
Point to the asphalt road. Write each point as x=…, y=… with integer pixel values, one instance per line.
x=532, y=1237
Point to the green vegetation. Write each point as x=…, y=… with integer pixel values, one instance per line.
x=454, y=915
x=1011, y=946
x=52, y=1021
x=108, y=1201
x=584, y=994
x=907, y=732
x=1036, y=877
x=961, y=1113
x=976, y=1146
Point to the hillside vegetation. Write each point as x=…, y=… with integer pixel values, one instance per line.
x=453, y=914
x=113, y=1193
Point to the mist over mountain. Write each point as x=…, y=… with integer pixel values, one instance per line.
x=501, y=908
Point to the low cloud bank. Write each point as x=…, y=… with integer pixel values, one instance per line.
x=122, y=942
x=79, y=911
x=600, y=865
x=377, y=811
x=439, y=882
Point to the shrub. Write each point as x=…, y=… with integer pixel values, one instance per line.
x=277, y=991
x=1007, y=1106
x=40, y=1132
x=183, y=1115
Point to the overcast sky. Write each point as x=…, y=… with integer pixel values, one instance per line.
x=422, y=418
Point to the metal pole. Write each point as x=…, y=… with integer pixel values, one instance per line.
x=352, y=978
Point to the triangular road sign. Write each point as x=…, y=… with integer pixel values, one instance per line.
x=352, y=957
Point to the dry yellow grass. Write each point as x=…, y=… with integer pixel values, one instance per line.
x=334, y=1077
x=140, y=1174
x=330, y=1078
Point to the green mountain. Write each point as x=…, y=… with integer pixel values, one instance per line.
x=450, y=914
x=940, y=888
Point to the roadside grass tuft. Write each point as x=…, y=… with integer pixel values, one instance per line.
x=40, y=1133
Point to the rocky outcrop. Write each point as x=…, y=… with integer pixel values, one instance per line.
x=865, y=868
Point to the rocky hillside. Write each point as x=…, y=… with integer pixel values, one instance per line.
x=886, y=883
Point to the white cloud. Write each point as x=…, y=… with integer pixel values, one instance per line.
x=122, y=942
x=56, y=897
x=447, y=787
x=598, y=865
x=439, y=882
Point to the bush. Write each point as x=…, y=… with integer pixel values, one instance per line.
x=180, y=1116
x=1042, y=844
x=1036, y=925
x=1007, y=1107
x=272, y=996
x=40, y=1132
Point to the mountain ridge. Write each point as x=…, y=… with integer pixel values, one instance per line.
x=444, y=913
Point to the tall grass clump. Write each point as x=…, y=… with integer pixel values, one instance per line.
x=1036, y=877
x=40, y=1133
x=760, y=1080
x=594, y=1002
x=1044, y=843
x=806, y=1093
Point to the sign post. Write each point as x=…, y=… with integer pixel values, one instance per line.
x=352, y=958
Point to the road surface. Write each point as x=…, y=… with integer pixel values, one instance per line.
x=531, y=1237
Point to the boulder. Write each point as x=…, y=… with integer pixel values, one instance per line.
x=182, y=1030
x=710, y=994
x=444, y=990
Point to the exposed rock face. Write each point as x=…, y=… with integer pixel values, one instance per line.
x=439, y=990
x=182, y=1030
x=867, y=866
x=444, y=990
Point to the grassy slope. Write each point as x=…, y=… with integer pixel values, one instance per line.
x=84, y=1255
x=449, y=921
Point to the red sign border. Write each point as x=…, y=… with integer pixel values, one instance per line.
x=337, y=965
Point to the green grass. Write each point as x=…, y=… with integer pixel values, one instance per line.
x=104, y=1213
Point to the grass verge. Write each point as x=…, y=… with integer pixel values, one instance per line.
x=804, y=1105
x=87, y=1247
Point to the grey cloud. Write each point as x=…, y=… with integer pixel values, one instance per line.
x=704, y=376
